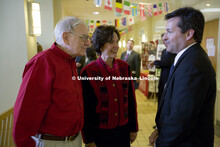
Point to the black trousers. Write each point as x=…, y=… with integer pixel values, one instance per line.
x=117, y=137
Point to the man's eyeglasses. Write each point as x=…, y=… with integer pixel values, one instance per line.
x=83, y=37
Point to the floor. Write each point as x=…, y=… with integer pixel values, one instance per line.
x=146, y=116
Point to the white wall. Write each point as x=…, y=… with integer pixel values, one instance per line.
x=47, y=23
x=13, y=48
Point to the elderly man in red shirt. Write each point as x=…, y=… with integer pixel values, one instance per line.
x=49, y=106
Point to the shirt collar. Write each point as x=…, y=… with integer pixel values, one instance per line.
x=129, y=52
x=181, y=52
x=59, y=51
x=112, y=70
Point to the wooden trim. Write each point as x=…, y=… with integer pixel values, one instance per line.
x=6, y=124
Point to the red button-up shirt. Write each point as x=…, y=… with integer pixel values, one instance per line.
x=49, y=100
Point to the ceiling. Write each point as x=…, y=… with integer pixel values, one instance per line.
x=84, y=8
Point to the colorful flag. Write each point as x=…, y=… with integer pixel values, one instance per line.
x=142, y=13
x=108, y=4
x=123, y=21
x=97, y=23
x=87, y=22
x=109, y=22
x=118, y=6
x=117, y=23
x=160, y=8
x=127, y=7
x=134, y=9
x=149, y=10
x=92, y=22
x=104, y=22
x=98, y=3
x=131, y=20
x=165, y=7
x=118, y=14
x=155, y=9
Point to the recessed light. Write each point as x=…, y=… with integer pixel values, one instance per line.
x=207, y=5
x=210, y=10
x=95, y=12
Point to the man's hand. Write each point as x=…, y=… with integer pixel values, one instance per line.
x=92, y=144
x=151, y=64
x=133, y=136
x=153, y=137
x=78, y=64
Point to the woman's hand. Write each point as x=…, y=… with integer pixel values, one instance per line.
x=133, y=136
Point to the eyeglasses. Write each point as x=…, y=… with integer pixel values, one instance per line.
x=83, y=37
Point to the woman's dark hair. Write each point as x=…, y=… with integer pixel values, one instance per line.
x=91, y=54
x=102, y=35
x=190, y=18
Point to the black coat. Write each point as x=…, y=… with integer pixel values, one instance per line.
x=165, y=63
x=186, y=110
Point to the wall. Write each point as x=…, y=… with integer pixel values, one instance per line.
x=13, y=50
x=47, y=23
x=217, y=106
x=31, y=40
x=211, y=31
x=57, y=10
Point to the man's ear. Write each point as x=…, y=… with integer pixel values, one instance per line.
x=66, y=38
x=189, y=34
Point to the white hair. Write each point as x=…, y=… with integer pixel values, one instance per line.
x=66, y=24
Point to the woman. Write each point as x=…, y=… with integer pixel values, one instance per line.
x=109, y=105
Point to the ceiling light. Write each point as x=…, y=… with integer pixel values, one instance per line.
x=95, y=12
x=207, y=5
x=210, y=10
x=97, y=5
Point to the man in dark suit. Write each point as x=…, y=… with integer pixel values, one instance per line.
x=186, y=111
x=80, y=63
x=134, y=60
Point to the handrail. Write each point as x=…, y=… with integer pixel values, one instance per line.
x=6, y=123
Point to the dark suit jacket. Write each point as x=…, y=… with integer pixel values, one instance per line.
x=165, y=63
x=134, y=60
x=81, y=60
x=186, y=110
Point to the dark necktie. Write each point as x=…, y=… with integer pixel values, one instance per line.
x=126, y=57
x=171, y=70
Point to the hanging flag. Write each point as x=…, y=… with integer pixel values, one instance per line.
x=92, y=22
x=155, y=9
x=160, y=8
x=109, y=22
x=118, y=6
x=149, y=10
x=98, y=3
x=142, y=13
x=104, y=22
x=165, y=7
x=127, y=7
x=117, y=23
x=123, y=21
x=134, y=9
x=87, y=22
x=131, y=20
x=118, y=14
x=97, y=23
x=108, y=4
